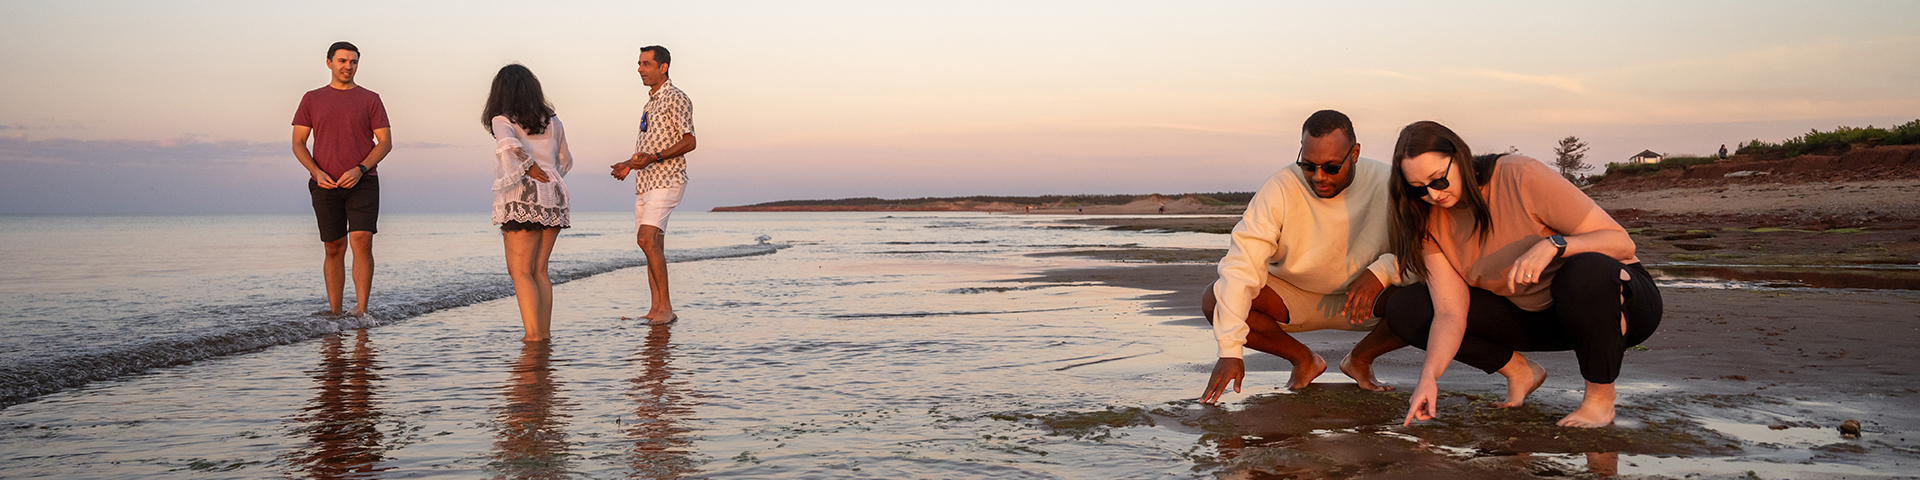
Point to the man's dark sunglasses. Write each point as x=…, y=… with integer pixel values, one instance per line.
x=1334, y=169
x=1436, y=184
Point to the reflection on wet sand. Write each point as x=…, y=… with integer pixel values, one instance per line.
x=1342, y=431
x=532, y=439
x=661, y=442
x=341, y=422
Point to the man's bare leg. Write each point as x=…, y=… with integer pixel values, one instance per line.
x=1359, y=363
x=1523, y=377
x=1264, y=334
x=362, y=242
x=653, y=243
x=334, y=270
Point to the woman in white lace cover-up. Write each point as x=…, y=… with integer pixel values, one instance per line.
x=529, y=196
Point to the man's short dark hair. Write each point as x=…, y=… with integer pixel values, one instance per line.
x=1324, y=122
x=338, y=46
x=660, y=54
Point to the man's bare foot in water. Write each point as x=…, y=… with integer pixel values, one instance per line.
x=660, y=318
x=1303, y=374
x=1523, y=377
x=1362, y=374
x=1596, y=410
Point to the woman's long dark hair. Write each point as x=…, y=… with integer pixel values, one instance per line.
x=1410, y=214
x=516, y=94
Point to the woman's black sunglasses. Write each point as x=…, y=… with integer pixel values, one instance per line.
x=1436, y=184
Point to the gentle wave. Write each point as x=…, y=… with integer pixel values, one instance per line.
x=284, y=322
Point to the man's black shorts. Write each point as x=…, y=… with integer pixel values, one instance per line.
x=341, y=210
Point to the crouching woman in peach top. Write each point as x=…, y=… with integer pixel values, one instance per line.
x=1516, y=259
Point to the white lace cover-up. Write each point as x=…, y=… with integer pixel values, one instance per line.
x=518, y=197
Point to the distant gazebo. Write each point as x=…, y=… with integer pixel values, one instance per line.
x=1646, y=156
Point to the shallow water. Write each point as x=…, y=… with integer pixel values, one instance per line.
x=96, y=297
x=876, y=346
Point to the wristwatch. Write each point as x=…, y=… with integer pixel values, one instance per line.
x=1560, y=243
x=363, y=168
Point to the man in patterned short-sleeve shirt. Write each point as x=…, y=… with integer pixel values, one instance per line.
x=659, y=163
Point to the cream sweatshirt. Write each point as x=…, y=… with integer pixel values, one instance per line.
x=1317, y=244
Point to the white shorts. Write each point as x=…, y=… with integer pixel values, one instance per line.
x=654, y=206
x=1308, y=311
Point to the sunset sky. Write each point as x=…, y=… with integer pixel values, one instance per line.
x=184, y=107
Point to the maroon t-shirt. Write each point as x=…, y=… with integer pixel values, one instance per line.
x=343, y=122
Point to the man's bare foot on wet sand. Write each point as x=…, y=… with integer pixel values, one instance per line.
x=1362, y=374
x=1523, y=377
x=1303, y=374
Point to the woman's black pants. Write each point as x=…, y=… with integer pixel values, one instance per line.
x=1585, y=318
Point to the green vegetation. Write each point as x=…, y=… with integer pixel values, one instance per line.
x=1225, y=198
x=1835, y=142
x=1630, y=169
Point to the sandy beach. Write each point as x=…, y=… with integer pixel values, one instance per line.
x=1791, y=304
x=1753, y=374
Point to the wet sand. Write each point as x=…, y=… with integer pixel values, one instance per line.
x=1733, y=379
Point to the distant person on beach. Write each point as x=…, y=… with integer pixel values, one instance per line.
x=529, y=196
x=1515, y=259
x=659, y=163
x=1309, y=254
x=1723, y=151
x=350, y=138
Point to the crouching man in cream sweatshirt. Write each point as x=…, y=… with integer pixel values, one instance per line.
x=1310, y=254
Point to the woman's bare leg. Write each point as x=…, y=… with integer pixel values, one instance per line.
x=521, y=248
x=547, y=239
x=1596, y=408
x=1523, y=377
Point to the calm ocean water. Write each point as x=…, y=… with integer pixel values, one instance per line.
x=847, y=345
x=873, y=345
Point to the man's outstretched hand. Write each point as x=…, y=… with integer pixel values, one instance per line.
x=620, y=170
x=1226, y=371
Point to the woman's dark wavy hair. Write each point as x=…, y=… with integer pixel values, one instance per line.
x=516, y=94
x=1409, y=213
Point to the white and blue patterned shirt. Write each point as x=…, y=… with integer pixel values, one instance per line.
x=669, y=115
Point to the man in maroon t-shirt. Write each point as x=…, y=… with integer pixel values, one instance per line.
x=350, y=137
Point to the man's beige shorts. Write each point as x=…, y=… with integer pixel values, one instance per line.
x=1308, y=311
x=654, y=206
